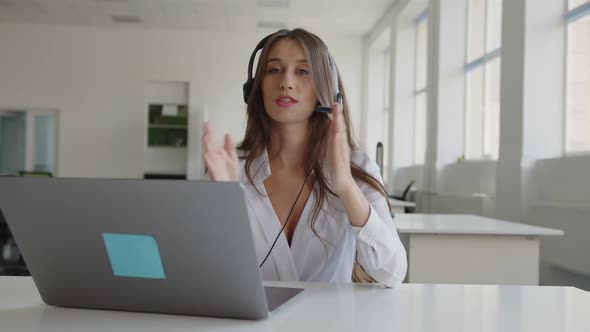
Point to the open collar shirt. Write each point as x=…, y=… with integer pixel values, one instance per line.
x=376, y=245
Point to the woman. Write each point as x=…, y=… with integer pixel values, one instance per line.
x=318, y=207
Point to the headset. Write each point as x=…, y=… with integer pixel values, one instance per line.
x=247, y=88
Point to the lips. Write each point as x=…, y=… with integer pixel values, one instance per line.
x=286, y=101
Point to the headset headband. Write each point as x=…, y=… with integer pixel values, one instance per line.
x=247, y=88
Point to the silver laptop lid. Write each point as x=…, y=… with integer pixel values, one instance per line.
x=162, y=246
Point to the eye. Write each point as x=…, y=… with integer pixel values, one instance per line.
x=302, y=72
x=273, y=70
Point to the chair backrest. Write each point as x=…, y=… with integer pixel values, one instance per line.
x=404, y=195
x=379, y=156
x=407, y=190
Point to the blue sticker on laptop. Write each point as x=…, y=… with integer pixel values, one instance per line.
x=132, y=255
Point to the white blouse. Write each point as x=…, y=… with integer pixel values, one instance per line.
x=377, y=244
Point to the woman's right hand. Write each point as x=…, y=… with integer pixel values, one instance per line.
x=221, y=161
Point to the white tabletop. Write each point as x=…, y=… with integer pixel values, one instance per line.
x=410, y=307
x=466, y=224
x=399, y=203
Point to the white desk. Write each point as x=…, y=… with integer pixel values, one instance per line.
x=411, y=307
x=398, y=206
x=468, y=249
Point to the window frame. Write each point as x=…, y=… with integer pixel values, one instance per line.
x=422, y=18
x=570, y=17
x=470, y=66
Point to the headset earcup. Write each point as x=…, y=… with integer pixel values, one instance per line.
x=246, y=90
x=322, y=109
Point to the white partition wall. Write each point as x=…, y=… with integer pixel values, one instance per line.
x=96, y=77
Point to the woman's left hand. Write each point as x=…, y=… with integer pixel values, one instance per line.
x=338, y=154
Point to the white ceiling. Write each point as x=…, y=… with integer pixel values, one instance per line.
x=350, y=17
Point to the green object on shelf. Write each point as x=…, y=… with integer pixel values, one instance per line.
x=35, y=174
x=167, y=136
x=167, y=130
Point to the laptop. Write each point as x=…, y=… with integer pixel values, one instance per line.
x=158, y=246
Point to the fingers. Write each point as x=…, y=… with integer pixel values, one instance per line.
x=221, y=160
x=211, y=170
x=210, y=150
x=338, y=117
x=209, y=141
x=229, y=148
x=337, y=125
x=205, y=138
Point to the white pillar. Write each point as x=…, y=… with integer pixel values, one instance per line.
x=532, y=101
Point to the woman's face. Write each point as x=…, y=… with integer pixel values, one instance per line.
x=287, y=86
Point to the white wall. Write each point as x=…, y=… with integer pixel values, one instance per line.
x=165, y=160
x=96, y=78
x=468, y=177
x=561, y=199
x=564, y=180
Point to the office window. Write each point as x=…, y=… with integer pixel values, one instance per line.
x=482, y=97
x=378, y=100
x=421, y=94
x=28, y=141
x=577, y=116
x=576, y=3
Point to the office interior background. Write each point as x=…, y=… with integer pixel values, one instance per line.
x=483, y=104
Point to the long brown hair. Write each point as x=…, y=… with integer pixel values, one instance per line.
x=259, y=125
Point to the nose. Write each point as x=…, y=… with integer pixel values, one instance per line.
x=286, y=82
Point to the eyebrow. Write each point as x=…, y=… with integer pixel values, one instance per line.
x=279, y=59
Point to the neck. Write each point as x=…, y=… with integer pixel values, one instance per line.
x=288, y=146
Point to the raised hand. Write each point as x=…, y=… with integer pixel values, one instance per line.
x=221, y=160
x=338, y=154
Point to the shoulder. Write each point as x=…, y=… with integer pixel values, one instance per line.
x=242, y=164
x=362, y=160
x=242, y=157
x=258, y=167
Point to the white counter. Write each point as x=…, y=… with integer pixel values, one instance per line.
x=411, y=307
x=466, y=224
x=468, y=249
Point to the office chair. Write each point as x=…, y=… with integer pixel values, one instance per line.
x=405, y=196
x=379, y=157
